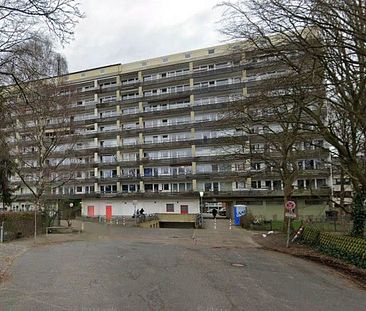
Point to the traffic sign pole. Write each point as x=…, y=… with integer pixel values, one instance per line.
x=290, y=207
x=288, y=231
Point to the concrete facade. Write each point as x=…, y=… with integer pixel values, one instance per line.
x=155, y=131
x=128, y=207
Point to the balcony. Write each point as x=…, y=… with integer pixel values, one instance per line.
x=216, y=85
x=162, y=96
x=169, y=78
x=131, y=99
x=265, y=193
x=131, y=82
x=218, y=70
x=169, y=123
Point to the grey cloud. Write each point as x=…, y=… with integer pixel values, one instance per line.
x=127, y=34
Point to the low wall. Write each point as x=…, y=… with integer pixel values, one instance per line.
x=20, y=224
x=275, y=211
x=150, y=224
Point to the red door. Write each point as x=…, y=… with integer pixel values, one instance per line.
x=184, y=209
x=91, y=211
x=108, y=212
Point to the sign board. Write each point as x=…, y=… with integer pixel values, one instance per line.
x=290, y=215
x=290, y=205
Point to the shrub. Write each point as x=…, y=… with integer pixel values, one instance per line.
x=20, y=224
x=246, y=221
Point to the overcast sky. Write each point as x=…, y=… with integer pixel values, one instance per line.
x=122, y=31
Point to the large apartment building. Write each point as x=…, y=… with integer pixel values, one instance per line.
x=153, y=133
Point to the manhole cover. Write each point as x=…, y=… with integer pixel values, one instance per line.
x=238, y=265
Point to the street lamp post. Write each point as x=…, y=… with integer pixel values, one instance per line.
x=69, y=215
x=201, y=203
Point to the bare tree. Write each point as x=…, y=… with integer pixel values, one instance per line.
x=33, y=60
x=42, y=139
x=24, y=25
x=330, y=36
x=21, y=19
x=277, y=129
x=6, y=170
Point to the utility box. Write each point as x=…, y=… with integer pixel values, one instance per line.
x=238, y=211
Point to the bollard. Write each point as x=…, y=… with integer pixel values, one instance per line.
x=82, y=226
x=230, y=224
x=124, y=221
x=2, y=233
x=215, y=223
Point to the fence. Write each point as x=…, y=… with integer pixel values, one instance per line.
x=341, y=224
x=121, y=220
x=19, y=224
x=343, y=247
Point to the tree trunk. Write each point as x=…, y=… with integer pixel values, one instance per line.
x=358, y=214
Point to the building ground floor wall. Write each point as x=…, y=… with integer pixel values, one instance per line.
x=117, y=207
x=276, y=211
x=306, y=208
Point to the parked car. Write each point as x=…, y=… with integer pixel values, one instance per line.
x=222, y=211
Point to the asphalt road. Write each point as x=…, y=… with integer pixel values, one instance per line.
x=112, y=268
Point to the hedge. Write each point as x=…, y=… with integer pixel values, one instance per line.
x=348, y=248
x=20, y=224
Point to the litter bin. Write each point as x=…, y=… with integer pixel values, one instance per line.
x=239, y=210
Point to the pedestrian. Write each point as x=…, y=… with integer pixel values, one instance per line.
x=142, y=215
x=214, y=213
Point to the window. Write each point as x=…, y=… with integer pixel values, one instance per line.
x=148, y=187
x=184, y=209
x=268, y=184
x=211, y=51
x=321, y=183
x=165, y=59
x=208, y=187
x=256, y=184
x=79, y=189
x=277, y=185
x=255, y=166
x=187, y=55
x=170, y=208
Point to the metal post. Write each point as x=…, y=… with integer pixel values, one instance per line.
x=35, y=223
x=201, y=202
x=134, y=202
x=2, y=232
x=288, y=232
